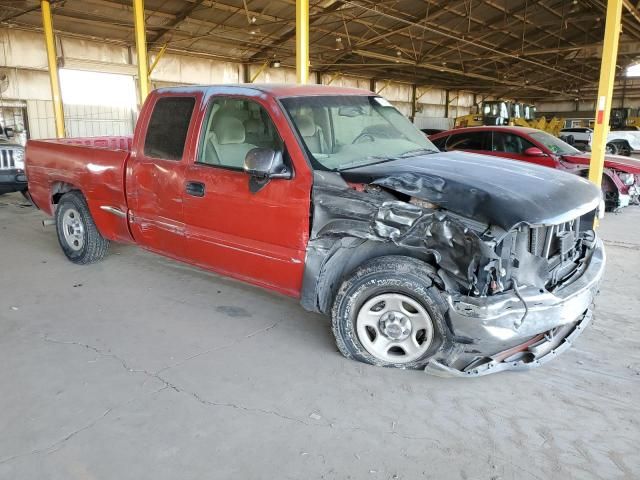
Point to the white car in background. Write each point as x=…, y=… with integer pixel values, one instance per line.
x=624, y=141
x=577, y=136
x=619, y=142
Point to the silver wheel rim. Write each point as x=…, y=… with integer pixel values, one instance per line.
x=73, y=229
x=394, y=328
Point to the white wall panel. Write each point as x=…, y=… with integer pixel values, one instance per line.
x=434, y=122
x=28, y=85
x=433, y=96
x=41, y=121
x=345, y=81
x=96, y=51
x=22, y=49
x=392, y=91
x=273, y=75
x=190, y=70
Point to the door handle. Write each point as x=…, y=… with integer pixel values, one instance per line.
x=195, y=188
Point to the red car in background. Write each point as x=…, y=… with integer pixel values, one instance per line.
x=621, y=180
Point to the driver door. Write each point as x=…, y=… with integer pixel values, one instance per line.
x=257, y=237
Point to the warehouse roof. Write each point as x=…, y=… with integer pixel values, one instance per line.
x=531, y=48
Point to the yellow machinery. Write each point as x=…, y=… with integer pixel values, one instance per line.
x=501, y=112
x=552, y=126
x=471, y=120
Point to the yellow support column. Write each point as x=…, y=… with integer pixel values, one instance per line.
x=141, y=49
x=605, y=89
x=58, y=111
x=302, y=41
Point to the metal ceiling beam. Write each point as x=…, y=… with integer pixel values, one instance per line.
x=439, y=68
x=179, y=18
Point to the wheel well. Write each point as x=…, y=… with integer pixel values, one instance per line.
x=58, y=189
x=342, y=263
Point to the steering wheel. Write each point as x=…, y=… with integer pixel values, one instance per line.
x=360, y=138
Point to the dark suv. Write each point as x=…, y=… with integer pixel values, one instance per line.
x=12, y=176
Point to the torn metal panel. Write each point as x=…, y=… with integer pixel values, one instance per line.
x=531, y=354
x=374, y=214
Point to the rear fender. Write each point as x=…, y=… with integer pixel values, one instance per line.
x=112, y=224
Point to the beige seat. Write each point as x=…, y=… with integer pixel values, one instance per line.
x=311, y=133
x=226, y=144
x=255, y=133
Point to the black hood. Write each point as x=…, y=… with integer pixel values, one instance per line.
x=499, y=192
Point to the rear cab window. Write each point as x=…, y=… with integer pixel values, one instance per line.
x=168, y=126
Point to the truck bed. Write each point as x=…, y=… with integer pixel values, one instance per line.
x=93, y=165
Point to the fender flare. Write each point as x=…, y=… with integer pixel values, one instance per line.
x=330, y=261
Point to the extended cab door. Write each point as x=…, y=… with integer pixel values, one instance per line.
x=155, y=181
x=258, y=237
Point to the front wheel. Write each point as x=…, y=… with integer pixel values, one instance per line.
x=389, y=313
x=78, y=235
x=612, y=149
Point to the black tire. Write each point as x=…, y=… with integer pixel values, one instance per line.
x=609, y=194
x=612, y=148
x=390, y=274
x=90, y=246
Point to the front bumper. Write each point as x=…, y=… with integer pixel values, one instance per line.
x=12, y=180
x=493, y=333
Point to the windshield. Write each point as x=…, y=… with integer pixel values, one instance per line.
x=347, y=131
x=554, y=144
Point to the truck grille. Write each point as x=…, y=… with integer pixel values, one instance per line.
x=6, y=159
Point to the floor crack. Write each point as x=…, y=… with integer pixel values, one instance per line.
x=167, y=384
x=60, y=442
x=221, y=347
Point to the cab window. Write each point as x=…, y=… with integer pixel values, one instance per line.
x=233, y=127
x=168, y=127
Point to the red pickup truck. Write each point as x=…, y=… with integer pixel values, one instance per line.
x=453, y=262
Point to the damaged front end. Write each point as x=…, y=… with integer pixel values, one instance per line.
x=517, y=295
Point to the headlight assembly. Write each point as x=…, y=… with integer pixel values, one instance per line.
x=18, y=158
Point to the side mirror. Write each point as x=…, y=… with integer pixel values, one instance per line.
x=9, y=132
x=264, y=164
x=534, y=152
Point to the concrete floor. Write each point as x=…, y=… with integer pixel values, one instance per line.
x=142, y=368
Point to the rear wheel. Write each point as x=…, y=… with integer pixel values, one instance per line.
x=389, y=313
x=78, y=236
x=612, y=148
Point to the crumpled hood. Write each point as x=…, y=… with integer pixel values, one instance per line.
x=616, y=162
x=487, y=189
